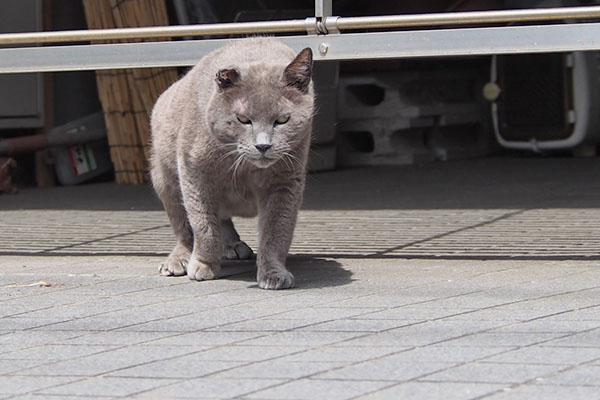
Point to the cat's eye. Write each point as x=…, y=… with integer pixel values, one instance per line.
x=244, y=120
x=282, y=120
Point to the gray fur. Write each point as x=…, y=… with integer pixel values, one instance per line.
x=209, y=164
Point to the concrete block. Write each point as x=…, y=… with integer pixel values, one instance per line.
x=410, y=116
x=212, y=388
x=15, y=385
x=434, y=391
x=318, y=389
x=107, y=386
x=280, y=369
x=484, y=372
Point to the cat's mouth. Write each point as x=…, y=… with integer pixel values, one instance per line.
x=262, y=161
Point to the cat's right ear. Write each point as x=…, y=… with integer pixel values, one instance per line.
x=227, y=78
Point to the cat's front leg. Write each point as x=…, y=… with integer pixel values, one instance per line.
x=201, y=208
x=277, y=220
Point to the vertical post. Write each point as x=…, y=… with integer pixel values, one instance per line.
x=323, y=9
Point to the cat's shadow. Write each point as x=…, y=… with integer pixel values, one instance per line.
x=309, y=272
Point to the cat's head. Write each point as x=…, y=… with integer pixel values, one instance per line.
x=262, y=113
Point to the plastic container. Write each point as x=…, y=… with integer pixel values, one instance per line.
x=81, y=162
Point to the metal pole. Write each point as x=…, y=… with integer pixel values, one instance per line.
x=296, y=26
x=465, y=18
x=154, y=32
x=323, y=8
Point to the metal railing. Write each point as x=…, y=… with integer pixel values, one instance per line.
x=321, y=32
x=308, y=25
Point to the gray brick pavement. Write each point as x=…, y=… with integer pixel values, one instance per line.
x=498, y=302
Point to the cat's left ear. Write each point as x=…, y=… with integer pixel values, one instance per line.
x=226, y=78
x=297, y=74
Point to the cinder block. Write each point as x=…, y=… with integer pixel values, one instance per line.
x=404, y=117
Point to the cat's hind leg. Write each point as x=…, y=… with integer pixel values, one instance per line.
x=233, y=247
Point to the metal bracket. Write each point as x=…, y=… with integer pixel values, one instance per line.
x=321, y=25
x=331, y=25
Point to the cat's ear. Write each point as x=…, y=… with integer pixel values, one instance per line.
x=226, y=78
x=297, y=74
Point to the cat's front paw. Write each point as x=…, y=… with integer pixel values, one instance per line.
x=172, y=268
x=275, y=279
x=200, y=271
x=237, y=251
x=176, y=263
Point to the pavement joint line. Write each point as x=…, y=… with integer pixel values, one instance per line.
x=49, y=387
x=273, y=358
x=514, y=386
x=111, y=311
x=479, y=360
x=86, y=301
x=61, y=289
x=119, y=235
x=452, y=232
x=291, y=293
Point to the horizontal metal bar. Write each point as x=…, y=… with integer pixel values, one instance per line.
x=464, y=18
x=154, y=32
x=296, y=26
x=354, y=46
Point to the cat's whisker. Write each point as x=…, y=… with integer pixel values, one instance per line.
x=228, y=154
x=295, y=161
x=239, y=162
x=287, y=162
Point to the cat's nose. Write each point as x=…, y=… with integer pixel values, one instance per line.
x=262, y=147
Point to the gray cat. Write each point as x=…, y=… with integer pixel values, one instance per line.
x=231, y=138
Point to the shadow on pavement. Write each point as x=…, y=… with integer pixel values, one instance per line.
x=310, y=272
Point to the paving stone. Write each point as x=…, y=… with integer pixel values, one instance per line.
x=106, y=386
x=205, y=338
x=246, y=353
x=414, y=313
x=116, y=338
x=547, y=393
x=345, y=354
x=485, y=372
x=583, y=339
x=14, y=385
x=308, y=389
x=176, y=368
x=547, y=325
x=588, y=375
x=24, y=339
x=210, y=388
x=302, y=338
x=108, y=361
x=355, y=325
x=548, y=355
x=18, y=324
x=261, y=325
x=280, y=369
x=433, y=391
x=447, y=354
x=385, y=369
x=12, y=366
x=486, y=339
x=55, y=352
